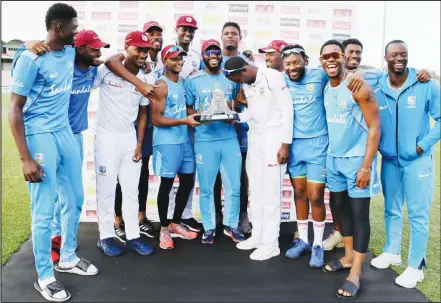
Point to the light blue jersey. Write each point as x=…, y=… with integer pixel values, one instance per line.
x=198, y=90
x=175, y=108
x=47, y=82
x=347, y=129
x=307, y=98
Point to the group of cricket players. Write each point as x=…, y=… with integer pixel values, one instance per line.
x=322, y=125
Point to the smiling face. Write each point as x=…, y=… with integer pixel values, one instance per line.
x=332, y=60
x=294, y=66
x=212, y=57
x=353, y=54
x=185, y=34
x=155, y=38
x=273, y=60
x=396, y=57
x=175, y=64
x=137, y=55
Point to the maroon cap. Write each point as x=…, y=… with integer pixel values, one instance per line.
x=187, y=21
x=274, y=46
x=151, y=24
x=138, y=39
x=171, y=51
x=209, y=43
x=89, y=38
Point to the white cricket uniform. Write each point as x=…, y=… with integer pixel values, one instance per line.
x=270, y=119
x=157, y=68
x=115, y=144
x=192, y=62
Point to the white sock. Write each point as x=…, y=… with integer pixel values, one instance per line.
x=319, y=228
x=43, y=283
x=70, y=264
x=302, y=227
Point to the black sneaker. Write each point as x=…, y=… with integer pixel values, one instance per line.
x=120, y=233
x=192, y=224
x=146, y=228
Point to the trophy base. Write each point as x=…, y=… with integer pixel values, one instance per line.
x=216, y=117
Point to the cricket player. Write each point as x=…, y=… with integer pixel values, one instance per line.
x=354, y=134
x=118, y=148
x=51, y=163
x=270, y=118
x=172, y=148
x=407, y=167
x=216, y=146
x=273, y=54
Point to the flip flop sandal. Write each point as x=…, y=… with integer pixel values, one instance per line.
x=349, y=287
x=336, y=267
x=79, y=269
x=50, y=290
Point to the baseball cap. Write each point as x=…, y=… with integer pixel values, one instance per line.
x=187, y=21
x=273, y=46
x=89, y=38
x=148, y=25
x=209, y=43
x=171, y=51
x=138, y=39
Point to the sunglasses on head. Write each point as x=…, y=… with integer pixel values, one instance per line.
x=173, y=49
x=334, y=55
x=293, y=51
x=228, y=72
x=216, y=52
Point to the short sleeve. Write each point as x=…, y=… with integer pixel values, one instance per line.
x=189, y=96
x=17, y=55
x=24, y=75
x=99, y=76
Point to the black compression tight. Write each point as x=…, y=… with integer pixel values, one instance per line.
x=354, y=219
x=186, y=183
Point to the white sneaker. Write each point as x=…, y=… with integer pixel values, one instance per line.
x=248, y=244
x=385, y=259
x=264, y=253
x=410, y=277
x=334, y=240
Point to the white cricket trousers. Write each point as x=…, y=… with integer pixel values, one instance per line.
x=113, y=159
x=265, y=182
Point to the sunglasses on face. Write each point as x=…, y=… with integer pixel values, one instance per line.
x=334, y=55
x=216, y=52
x=228, y=72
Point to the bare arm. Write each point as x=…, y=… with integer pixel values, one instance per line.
x=190, y=110
x=142, y=123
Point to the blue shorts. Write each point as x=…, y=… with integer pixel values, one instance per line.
x=342, y=174
x=171, y=159
x=307, y=158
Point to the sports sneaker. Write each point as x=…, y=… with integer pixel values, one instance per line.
x=192, y=224
x=165, y=241
x=139, y=246
x=180, y=231
x=120, y=233
x=250, y=243
x=410, y=277
x=334, y=240
x=208, y=236
x=109, y=247
x=317, y=257
x=385, y=259
x=298, y=249
x=264, y=253
x=55, y=249
x=234, y=234
x=147, y=229
x=244, y=223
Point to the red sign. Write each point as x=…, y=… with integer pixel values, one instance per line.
x=327, y=195
x=153, y=178
x=239, y=20
x=184, y=5
x=286, y=205
x=101, y=15
x=76, y=3
x=128, y=15
x=91, y=165
x=92, y=115
x=259, y=57
x=288, y=9
x=90, y=213
x=286, y=194
x=316, y=23
x=288, y=35
x=176, y=180
x=129, y=4
x=264, y=8
x=341, y=25
x=343, y=12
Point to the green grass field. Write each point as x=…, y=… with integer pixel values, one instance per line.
x=16, y=214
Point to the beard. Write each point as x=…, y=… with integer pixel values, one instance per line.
x=211, y=68
x=86, y=60
x=230, y=47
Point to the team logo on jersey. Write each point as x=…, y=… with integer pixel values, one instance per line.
x=411, y=102
x=89, y=76
x=39, y=158
x=194, y=63
x=70, y=65
x=175, y=96
x=199, y=159
x=229, y=87
x=102, y=170
x=262, y=90
x=323, y=171
x=343, y=105
x=310, y=87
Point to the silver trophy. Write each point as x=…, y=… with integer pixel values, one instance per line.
x=218, y=109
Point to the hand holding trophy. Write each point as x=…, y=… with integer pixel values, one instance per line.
x=218, y=109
